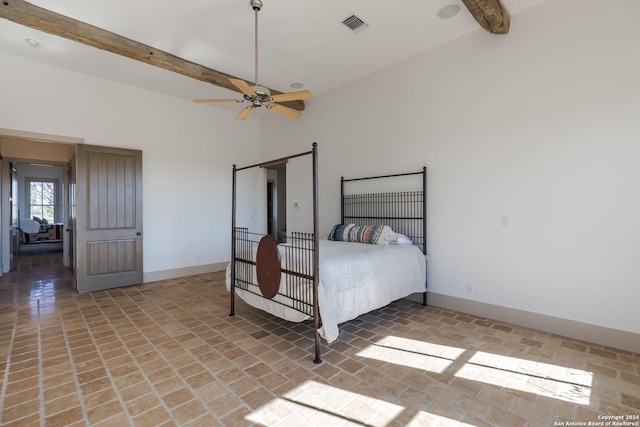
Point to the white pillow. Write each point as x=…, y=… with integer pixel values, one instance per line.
x=399, y=239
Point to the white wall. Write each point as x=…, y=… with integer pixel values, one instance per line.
x=541, y=124
x=188, y=150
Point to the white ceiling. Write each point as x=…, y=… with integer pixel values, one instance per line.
x=299, y=40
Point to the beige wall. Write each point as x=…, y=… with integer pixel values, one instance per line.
x=30, y=150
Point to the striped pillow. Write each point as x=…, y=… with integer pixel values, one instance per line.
x=340, y=232
x=371, y=234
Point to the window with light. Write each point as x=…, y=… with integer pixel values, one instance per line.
x=42, y=199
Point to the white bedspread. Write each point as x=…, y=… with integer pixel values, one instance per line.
x=355, y=278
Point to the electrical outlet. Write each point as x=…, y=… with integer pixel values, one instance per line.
x=469, y=287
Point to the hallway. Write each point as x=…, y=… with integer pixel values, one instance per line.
x=37, y=280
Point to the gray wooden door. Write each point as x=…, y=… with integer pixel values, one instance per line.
x=108, y=224
x=70, y=225
x=14, y=246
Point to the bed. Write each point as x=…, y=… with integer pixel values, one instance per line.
x=335, y=278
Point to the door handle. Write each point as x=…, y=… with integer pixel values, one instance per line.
x=139, y=233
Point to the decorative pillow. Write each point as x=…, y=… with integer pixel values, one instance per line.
x=38, y=219
x=371, y=234
x=45, y=221
x=399, y=239
x=340, y=232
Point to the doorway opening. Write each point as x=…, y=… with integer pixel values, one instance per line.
x=277, y=201
x=37, y=215
x=34, y=177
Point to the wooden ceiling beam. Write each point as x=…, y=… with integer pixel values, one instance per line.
x=490, y=15
x=24, y=13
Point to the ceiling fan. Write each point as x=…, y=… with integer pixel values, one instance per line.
x=257, y=95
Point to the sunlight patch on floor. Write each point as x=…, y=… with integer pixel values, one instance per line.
x=412, y=353
x=544, y=379
x=322, y=404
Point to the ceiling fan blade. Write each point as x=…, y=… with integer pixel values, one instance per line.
x=284, y=111
x=243, y=86
x=245, y=113
x=201, y=101
x=292, y=96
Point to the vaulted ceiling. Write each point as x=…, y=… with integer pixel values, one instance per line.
x=300, y=41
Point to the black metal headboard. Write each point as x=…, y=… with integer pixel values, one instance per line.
x=405, y=212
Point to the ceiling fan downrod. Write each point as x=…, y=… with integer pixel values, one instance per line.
x=256, y=5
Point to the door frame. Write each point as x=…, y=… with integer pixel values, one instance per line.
x=5, y=183
x=5, y=211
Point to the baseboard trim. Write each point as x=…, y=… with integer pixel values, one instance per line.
x=596, y=334
x=154, y=276
x=615, y=338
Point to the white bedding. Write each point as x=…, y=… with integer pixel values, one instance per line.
x=355, y=278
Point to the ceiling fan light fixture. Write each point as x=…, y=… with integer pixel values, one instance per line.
x=261, y=90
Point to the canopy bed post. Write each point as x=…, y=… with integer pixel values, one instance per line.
x=342, y=199
x=424, y=227
x=316, y=252
x=233, y=243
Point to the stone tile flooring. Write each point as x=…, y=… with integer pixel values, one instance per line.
x=167, y=353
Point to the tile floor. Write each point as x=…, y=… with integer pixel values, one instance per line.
x=167, y=353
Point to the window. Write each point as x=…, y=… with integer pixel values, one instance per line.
x=42, y=198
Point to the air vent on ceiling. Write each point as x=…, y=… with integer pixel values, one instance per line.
x=355, y=24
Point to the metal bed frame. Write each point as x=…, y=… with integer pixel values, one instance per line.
x=405, y=212
x=294, y=283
